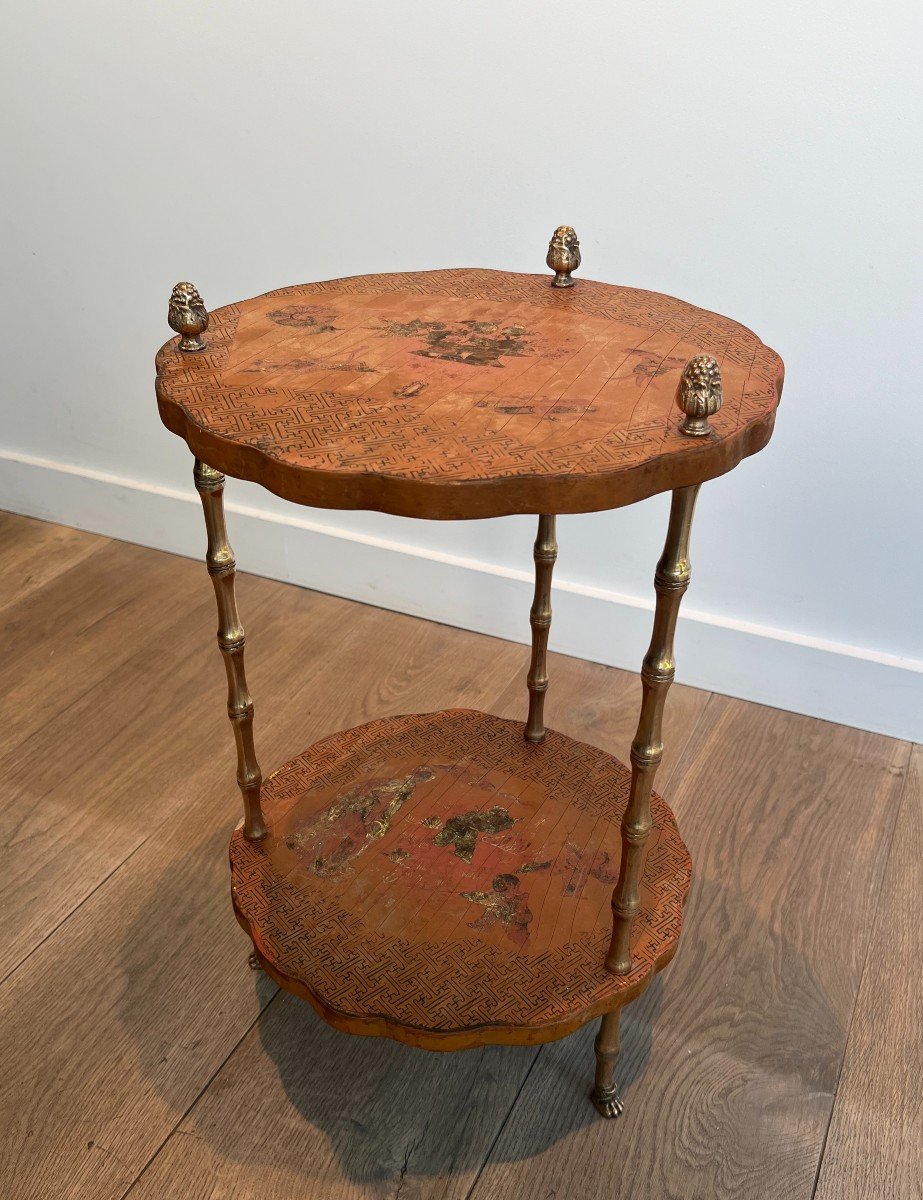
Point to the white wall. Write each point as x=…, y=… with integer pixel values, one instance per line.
x=760, y=160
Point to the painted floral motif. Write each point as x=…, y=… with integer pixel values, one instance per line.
x=362, y=815
x=649, y=366
x=310, y=318
x=462, y=830
x=475, y=343
x=262, y=366
x=505, y=904
x=578, y=869
x=409, y=390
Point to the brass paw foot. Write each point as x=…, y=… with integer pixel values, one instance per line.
x=608, y=1103
x=253, y=962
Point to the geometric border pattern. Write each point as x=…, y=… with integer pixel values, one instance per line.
x=465, y=984
x=348, y=435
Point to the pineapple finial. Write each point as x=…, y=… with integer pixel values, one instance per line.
x=563, y=256
x=699, y=395
x=187, y=316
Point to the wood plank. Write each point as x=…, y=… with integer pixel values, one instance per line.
x=116, y=1023
x=64, y=827
x=342, y=1116
x=61, y=641
x=32, y=553
x=729, y=1064
x=875, y=1143
x=66, y=824
x=600, y=705
x=112, y=1027
x=330, y=1115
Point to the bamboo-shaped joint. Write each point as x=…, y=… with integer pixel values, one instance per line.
x=545, y=554
x=670, y=580
x=222, y=568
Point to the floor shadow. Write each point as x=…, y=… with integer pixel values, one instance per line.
x=388, y=1111
x=455, y=1102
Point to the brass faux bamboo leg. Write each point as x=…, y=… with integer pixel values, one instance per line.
x=221, y=568
x=545, y=553
x=671, y=580
x=606, y=1096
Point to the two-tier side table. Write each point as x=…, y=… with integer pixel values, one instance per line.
x=452, y=879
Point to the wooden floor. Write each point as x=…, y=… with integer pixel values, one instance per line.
x=778, y=1056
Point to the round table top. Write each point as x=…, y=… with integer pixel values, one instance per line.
x=439, y=879
x=464, y=393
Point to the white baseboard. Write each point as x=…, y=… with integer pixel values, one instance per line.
x=847, y=684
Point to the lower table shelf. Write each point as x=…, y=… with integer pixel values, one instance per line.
x=439, y=880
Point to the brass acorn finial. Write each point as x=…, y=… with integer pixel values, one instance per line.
x=563, y=256
x=699, y=395
x=187, y=316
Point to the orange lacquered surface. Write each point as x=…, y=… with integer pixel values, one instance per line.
x=437, y=873
x=464, y=393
